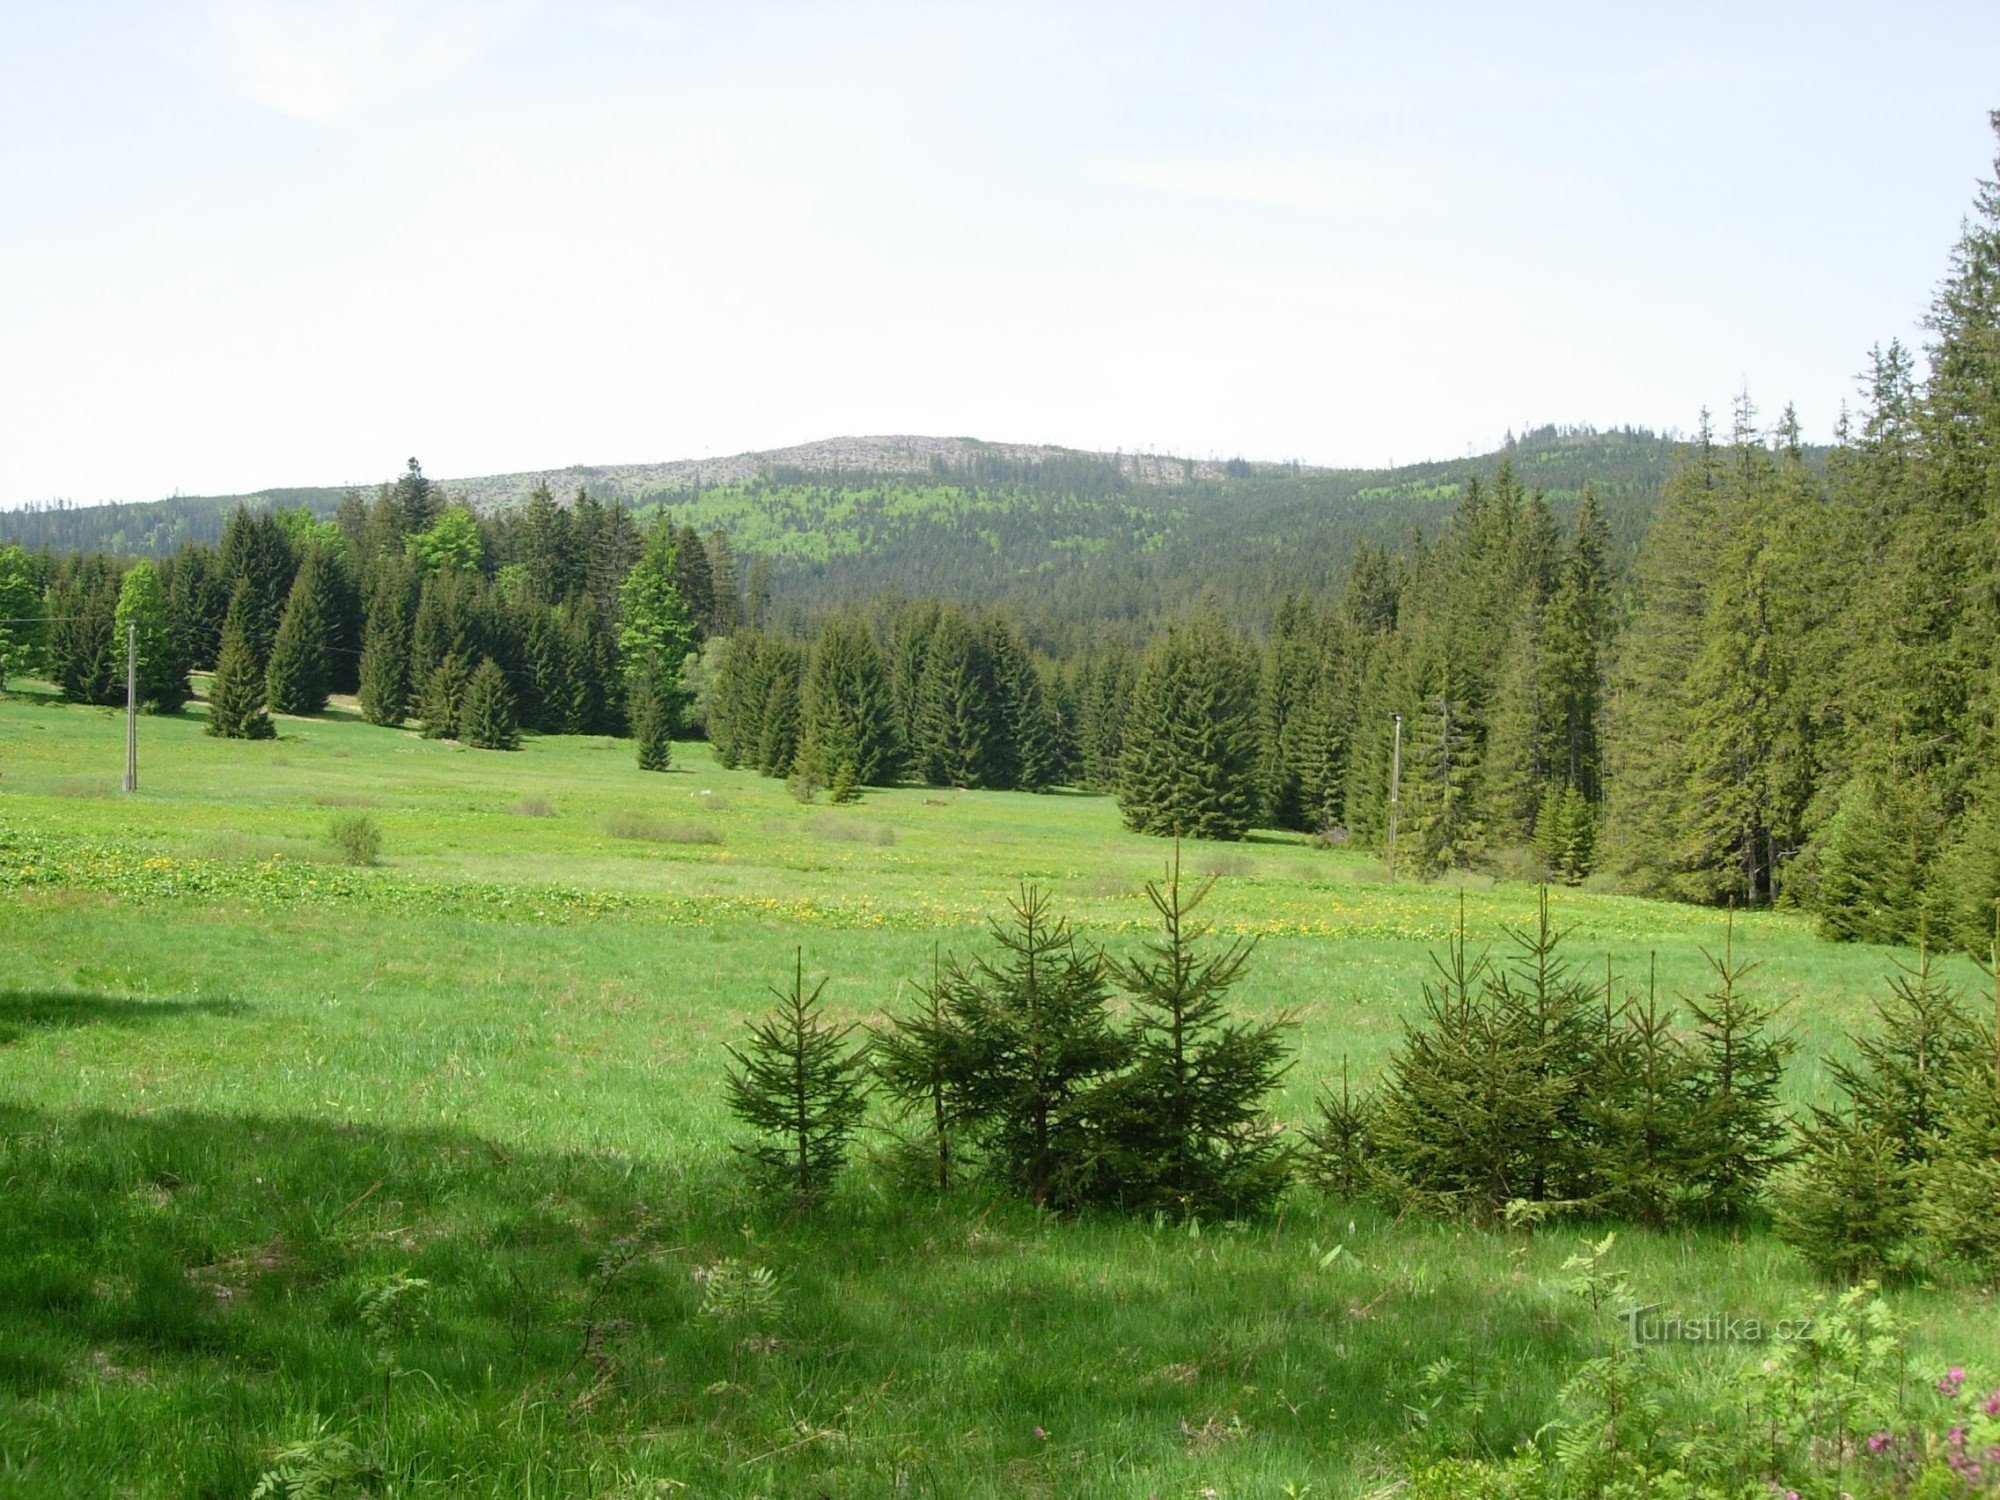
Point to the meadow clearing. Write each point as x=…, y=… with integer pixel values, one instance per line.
x=418, y=1174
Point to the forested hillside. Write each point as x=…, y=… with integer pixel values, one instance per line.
x=1059, y=534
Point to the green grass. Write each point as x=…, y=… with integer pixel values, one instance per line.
x=242, y=1083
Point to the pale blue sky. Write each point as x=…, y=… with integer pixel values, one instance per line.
x=252, y=243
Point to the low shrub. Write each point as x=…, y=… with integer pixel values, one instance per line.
x=355, y=838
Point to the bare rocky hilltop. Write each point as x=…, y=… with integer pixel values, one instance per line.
x=899, y=454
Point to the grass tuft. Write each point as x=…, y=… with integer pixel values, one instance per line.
x=848, y=830
x=632, y=825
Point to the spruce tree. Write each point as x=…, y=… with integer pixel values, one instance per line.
x=910, y=630
x=1902, y=1072
x=1483, y=1103
x=442, y=700
x=1105, y=699
x=652, y=723
x=1874, y=857
x=694, y=580
x=236, y=690
x=86, y=659
x=1967, y=899
x=415, y=499
x=801, y=1088
x=1316, y=740
x=451, y=620
x=847, y=713
x=1289, y=667
x=722, y=573
x=1339, y=1150
x=20, y=602
x=1851, y=1208
x=197, y=600
x=590, y=654
x=546, y=665
x=1186, y=1125
x=295, y=680
x=1189, y=766
x=1516, y=761
x=385, y=650
x=257, y=552
x=778, y=729
x=827, y=758
x=1442, y=828
x=954, y=707
x=486, y=721
x=735, y=704
x=1021, y=751
x=1565, y=841
x=343, y=607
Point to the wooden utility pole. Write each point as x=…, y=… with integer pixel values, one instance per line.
x=131, y=705
x=1395, y=792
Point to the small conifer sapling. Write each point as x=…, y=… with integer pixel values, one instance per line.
x=801, y=1088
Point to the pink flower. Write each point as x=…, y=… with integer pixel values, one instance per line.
x=1953, y=1379
x=1041, y=1436
x=1992, y=1405
x=1878, y=1442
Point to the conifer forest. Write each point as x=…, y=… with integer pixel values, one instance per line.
x=979, y=971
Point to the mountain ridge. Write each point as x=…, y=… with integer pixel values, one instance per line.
x=1037, y=525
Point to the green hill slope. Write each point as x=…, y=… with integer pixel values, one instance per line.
x=1077, y=534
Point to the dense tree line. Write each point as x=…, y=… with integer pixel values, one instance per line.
x=547, y=618
x=1804, y=705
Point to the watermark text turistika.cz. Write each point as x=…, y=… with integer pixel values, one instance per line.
x=1650, y=1325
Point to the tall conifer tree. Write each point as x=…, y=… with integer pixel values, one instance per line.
x=1190, y=757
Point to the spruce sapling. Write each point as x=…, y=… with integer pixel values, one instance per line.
x=1186, y=1126
x=1030, y=1043
x=1737, y=1130
x=1639, y=1109
x=1337, y=1145
x=914, y=1061
x=1901, y=1077
x=1472, y=1099
x=802, y=1088
x=1961, y=1182
x=652, y=721
x=1550, y=1006
x=1853, y=1206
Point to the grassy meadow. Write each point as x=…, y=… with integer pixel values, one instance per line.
x=417, y=1176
